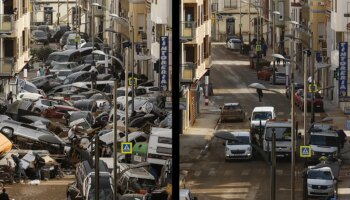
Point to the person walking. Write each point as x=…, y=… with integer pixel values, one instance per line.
x=42, y=71
x=264, y=48
x=38, y=73
x=9, y=97
x=39, y=163
x=47, y=71
x=260, y=94
x=4, y=195
x=19, y=167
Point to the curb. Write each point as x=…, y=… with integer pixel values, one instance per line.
x=209, y=141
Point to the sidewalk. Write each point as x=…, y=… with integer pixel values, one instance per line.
x=195, y=139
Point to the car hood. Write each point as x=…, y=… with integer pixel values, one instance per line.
x=325, y=149
x=257, y=122
x=319, y=182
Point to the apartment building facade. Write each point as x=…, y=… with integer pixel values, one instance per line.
x=195, y=54
x=14, y=41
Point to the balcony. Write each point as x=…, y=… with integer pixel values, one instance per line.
x=7, y=66
x=188, y=30
x=6, y=23
x=187, y=72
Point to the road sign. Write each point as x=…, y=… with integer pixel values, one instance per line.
x=313, y=88
x=258, y=47
x=305, y=151
x=130, y=81
x=126, y=148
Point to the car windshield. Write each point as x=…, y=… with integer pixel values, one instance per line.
x=39, y=34
x=120, y=93
x=142, y=183
x=322, y=140
x=68, y=80
x=282, y=133
x=61, y=66
x=62, y=58
x=232, y=107
x=239, y=140
x=64, y=73
x=262, y=115
x=105, y=194
x=325, y=175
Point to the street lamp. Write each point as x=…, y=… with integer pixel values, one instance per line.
x=115, y=133
x=126, y=21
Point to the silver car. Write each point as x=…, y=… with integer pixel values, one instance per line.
x=234, y=44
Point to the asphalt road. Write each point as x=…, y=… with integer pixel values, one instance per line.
x=211, y=177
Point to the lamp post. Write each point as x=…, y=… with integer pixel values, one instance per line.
x=273, y=44
x=131, y=27
x=115, y=140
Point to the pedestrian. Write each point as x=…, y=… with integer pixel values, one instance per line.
x=38, y=73
x=39, y=163
x=42, y=71
x=284, y=53
x=19, y=167
x=4, y=195
x=342, y=137
x=260, y=94
x=264, y=49
x=10, y=97
x=94, y=74
x=47, y=71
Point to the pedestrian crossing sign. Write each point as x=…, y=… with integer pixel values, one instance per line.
x=126, y=148
x=305, y=151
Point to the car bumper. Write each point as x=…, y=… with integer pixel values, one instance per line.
x=320, y=192
x=230, y=156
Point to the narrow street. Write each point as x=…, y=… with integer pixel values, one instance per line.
x=213, y=178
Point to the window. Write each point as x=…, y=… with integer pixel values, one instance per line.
x=141, y=139
x=165, y=140
x=164, y=150
x=230, y=4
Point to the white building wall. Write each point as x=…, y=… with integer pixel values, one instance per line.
x=338, y=20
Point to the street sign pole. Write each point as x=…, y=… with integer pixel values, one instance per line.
x=273, y=166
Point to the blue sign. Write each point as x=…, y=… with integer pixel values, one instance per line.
x=126, y=148
x=343, y=71
x=164, y=64
x=305, y=151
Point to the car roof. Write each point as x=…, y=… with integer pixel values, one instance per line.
x=264, y=108
x=240, y=133
x=325, y=133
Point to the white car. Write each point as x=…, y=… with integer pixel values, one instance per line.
x=320, y=181
x=234, y=44
x=71, y=42
x=241, y=148
x=29, y=96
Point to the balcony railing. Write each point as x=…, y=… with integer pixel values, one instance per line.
x=7, y=66
x=6, y=23
x=187, y=72
x=188, y=30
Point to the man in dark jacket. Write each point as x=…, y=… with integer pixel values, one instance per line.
x=4, y=195
x=342, y=137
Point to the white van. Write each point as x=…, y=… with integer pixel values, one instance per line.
x=259, y=117
x=240, y=148
x=159, y=146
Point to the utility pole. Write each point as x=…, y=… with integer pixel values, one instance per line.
x=97, y=167
x=58, y=12
x=249, y=21
x=293, y=126
x=273, y=166
x=67, y=15
x=312, y=77
x=115, y=139
x=133, y=65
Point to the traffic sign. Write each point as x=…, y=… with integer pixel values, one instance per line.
x=130, y=81
x=313, y=88
x=126, y=148
x=258, y=47
x=305, y=151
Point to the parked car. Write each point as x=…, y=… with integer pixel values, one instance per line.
x=320, y=181
x=265, y=73
x=58, y=111
x=77, y=77
x=29, y=96
x=73, y=42
x=318, y=101
x=297, y=86
x=39, y=36
x=64, y=37
x=234, y=44
x=59, y=66
x=71, y=55
x=232, y=111
x=280, y=78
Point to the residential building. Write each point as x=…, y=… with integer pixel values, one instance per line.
x=14, y=41
x=195, y=53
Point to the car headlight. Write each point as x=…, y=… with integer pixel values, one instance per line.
x=249, y=149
